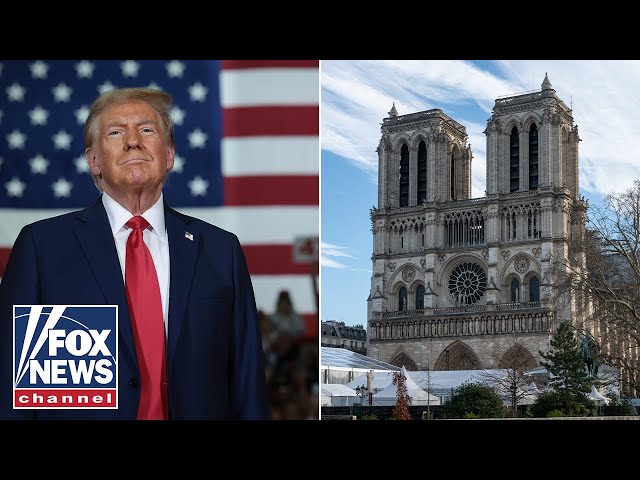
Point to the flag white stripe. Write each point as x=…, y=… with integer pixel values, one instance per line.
x=300, y=288
x=262, y=225
x=269, y=86
x=282, y=155
x=252, y=225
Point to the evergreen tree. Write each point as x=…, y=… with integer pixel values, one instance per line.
x=474, y=400
x=401, y=408
x=570, y=382
x=564, y=361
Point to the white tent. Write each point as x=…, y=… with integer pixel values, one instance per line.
x=389, y=396
x=337, y=394
x=443, y=382
x=381, y=380
x=597, y=397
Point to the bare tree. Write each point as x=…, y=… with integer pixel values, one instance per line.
x=513, y=359
x=401, y=408
x=604, y=268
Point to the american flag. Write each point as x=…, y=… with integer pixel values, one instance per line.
x=247, y=153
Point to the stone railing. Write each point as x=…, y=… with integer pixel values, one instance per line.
x=412, y=117
x=463, y=203
x=428, y=312
x=514, y=195
x=520, y=98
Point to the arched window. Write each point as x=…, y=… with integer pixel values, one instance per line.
x=402, y=299
x=452, y=180
x=534, y=289
x=515, y=290
x=404, y=176
x=422, y=173
x=420, y=297
x=514, y=160
x=533, y=157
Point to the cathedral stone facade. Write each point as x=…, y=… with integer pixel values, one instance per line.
x=456, y=279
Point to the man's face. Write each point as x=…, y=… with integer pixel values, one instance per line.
x=132, y=152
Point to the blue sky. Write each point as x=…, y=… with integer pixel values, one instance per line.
x=357, y=95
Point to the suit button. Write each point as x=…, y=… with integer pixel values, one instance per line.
x=133, y=383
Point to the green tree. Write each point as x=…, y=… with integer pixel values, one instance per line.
x=565, y=363
x=401, y=408
x=618, y=406
x=569, y=381
x=474, y=400
x=562, y=404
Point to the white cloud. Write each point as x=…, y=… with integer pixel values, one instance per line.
x=328, y=254
x=331, y=263
x=606, y=109
x=334, y=250
x=356, y=96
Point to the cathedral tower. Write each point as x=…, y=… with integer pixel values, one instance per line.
x=455, y=279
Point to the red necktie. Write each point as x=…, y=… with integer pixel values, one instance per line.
x=145, y=306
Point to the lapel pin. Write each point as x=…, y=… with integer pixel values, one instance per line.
x=188, y=235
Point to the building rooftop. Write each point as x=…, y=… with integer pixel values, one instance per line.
x=343, y=358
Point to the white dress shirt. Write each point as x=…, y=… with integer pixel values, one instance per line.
x=155, y=237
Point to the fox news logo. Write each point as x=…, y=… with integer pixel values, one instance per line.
x=65, y=356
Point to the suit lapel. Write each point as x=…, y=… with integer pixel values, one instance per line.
x=183, y=248
x=96, y=240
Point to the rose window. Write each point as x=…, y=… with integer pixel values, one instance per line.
x=467, y=283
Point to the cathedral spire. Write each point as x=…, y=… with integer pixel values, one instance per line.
x=393, y=112
x=546, y=84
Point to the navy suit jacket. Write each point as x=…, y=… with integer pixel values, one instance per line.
x=215, y=365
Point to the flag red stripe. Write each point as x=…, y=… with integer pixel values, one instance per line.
x=273, y=260
x=271, y=120
x=271, y=190
x=237, y=64
x=310, y=326
x=4, y=258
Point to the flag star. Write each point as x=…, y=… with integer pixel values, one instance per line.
x=175, y=69
x=197, y=138
x=177, y=114
x=61, y=188
x=16, y=92
x=154, y=85
x=105, y=87
x=38, y=116
x=39, y=164
x=16, y=139
x=39, y=69
x=178, y=164
x=198, y=92
x=62, y=140
x=130, y=68
x=81, y=114
x=198, y=186
x=15, y=187
x=84, y=69
x=81, y=164
x=61, y=92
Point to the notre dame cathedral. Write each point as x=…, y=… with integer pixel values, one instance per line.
x=456, y=278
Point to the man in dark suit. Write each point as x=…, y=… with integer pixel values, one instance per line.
x=214, y=360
